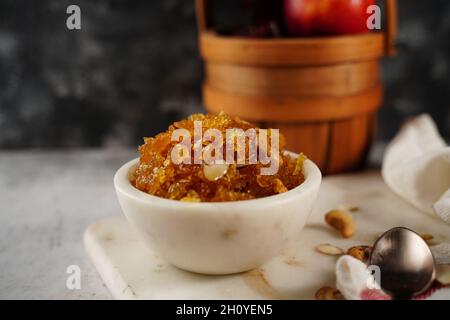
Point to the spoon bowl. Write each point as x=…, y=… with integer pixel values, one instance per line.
x=406, y=263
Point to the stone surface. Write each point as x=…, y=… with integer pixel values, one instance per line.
x=47, y=199
x=131, y=271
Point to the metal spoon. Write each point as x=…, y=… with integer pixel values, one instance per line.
x=406, y=263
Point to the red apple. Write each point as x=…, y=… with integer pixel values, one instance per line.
x=326, y=17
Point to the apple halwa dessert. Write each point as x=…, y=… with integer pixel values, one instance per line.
x=187, y=179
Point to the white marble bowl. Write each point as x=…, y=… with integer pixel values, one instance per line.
x=218, y=237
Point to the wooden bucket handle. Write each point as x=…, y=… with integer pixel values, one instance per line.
x=202, y=9
x=391, y=26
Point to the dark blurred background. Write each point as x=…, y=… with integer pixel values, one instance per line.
x=134, y=67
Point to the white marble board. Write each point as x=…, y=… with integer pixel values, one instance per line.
x=131, y=271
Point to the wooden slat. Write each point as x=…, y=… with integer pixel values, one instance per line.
x=288, y=52
x=348, y=144
x=309, y=138
x=335, y=80
x=292, y=109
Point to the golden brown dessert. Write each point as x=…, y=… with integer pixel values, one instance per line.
x=158, y=175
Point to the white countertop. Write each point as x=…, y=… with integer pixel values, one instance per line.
x=47, y=199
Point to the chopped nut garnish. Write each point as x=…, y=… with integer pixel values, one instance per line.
x=328, y=293
x=329, y=249
x=348, y=208
x=443, y=274
x=360, y=252
x=299, y=164
x=427, y=237
x=216, y=171
x=342, y=221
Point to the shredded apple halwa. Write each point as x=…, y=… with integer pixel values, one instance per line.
x=158, y=175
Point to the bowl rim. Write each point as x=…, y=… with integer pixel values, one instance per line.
x=122, y=184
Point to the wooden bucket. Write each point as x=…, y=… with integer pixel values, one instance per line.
x=322, y=93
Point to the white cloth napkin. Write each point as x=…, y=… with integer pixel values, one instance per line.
x=416, y=166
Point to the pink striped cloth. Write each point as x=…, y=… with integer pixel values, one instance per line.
x=437, y=291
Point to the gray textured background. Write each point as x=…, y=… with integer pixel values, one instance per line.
x=134, y=67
